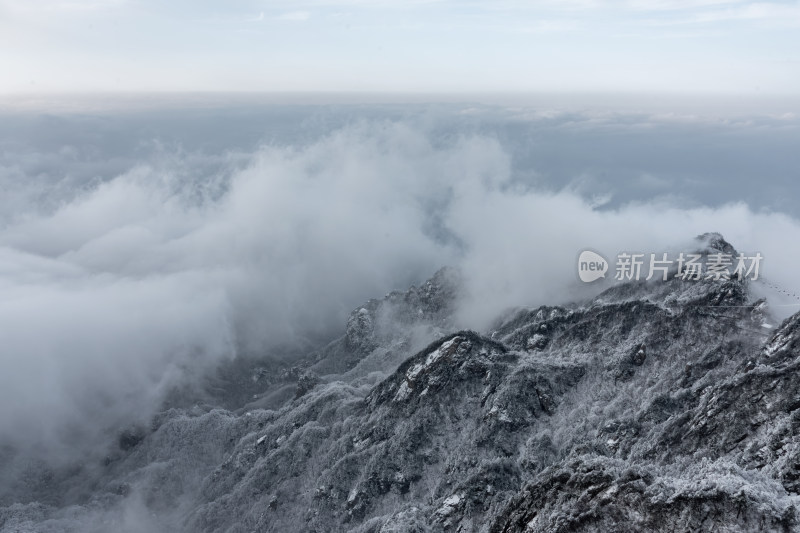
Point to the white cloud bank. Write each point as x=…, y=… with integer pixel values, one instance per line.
x=107, y=300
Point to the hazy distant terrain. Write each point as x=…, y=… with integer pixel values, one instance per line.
x=695, y=151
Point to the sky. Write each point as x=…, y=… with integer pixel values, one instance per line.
x=427, y=46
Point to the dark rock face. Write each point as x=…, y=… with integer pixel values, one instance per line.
x=668, y=406
x=394, y=324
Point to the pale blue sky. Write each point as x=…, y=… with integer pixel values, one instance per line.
x=405, y=46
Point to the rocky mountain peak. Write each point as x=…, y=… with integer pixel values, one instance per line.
x=715, y=242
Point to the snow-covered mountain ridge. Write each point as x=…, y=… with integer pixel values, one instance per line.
x=664, y=406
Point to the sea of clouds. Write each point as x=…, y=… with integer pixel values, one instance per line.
x=140, y=249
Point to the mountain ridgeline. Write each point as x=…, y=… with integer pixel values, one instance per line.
x=664, y=406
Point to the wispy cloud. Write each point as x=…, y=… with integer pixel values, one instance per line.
x=63, y=6
x=551, y=26
x=785, y=13
x=676, y=5
x=763, y=12
x=295, y=16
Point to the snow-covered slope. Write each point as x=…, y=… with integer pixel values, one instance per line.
x=666, y=406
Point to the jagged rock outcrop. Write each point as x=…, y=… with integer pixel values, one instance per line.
x=394, y=326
